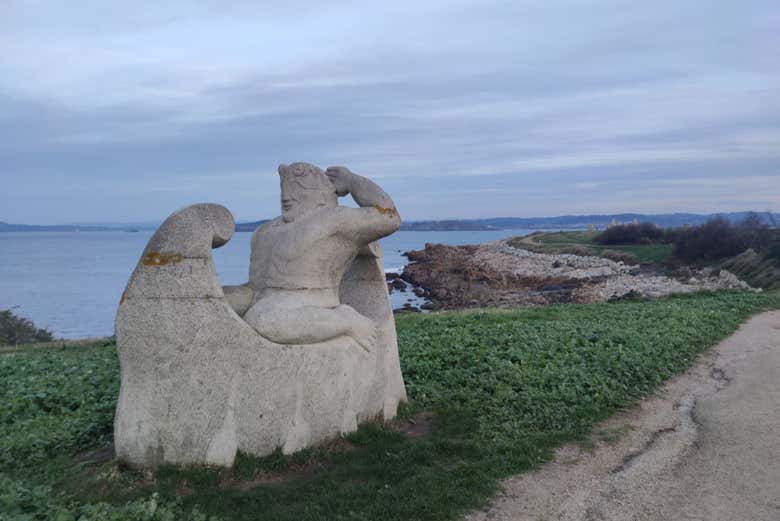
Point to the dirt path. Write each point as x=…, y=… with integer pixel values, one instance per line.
x=533, y=241
x=707, y=447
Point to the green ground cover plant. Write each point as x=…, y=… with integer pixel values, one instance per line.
x=569, y=241
x=504, y=387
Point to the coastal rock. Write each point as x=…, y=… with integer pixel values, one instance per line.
x=398, y=285
x=497, y=274
x=727, y=280
x=394, y=282
x=654, y=286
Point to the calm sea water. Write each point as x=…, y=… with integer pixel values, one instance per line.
x=70, y=283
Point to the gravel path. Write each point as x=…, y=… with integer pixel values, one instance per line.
x=706, y=447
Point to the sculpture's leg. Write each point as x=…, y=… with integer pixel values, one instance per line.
x=239, y=297
x=311, y=324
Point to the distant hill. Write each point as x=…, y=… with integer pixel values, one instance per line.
x=452, y=225
x=7, y=227
x=250, y=227
x=672, y=220
x=134, y=225
x=667, y=220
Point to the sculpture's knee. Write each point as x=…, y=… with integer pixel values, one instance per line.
x=239, y=297
x=273, y=324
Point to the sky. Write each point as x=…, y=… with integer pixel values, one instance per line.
x=126, y=111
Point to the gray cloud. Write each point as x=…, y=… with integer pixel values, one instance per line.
x=462, y=109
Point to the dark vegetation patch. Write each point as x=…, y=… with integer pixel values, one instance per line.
x=719, y=239
x=640, y=233
x=714, y=240
x=99, y=455
x=15, y=330
x=749, y=248
x=620, y=256
x=416, y=426
x=506, y=388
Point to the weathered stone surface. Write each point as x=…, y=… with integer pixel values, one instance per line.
x=199, y=382
x=299, y=259
x=240, y=297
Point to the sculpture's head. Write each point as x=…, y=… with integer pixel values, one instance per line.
x=305, y=188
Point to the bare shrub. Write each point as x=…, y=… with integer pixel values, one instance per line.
x=17, y=330
x=641, y=233
x=620, y=256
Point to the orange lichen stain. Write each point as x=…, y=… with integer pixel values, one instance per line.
x=386, y=211
x=122, y=300
x=155, y=258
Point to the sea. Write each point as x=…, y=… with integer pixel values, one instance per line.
x=70, y=282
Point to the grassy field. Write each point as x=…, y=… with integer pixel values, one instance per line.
x=562, y=242
x=504, y=387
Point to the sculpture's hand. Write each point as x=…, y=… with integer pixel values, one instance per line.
x=364, y=191
x=341, y=178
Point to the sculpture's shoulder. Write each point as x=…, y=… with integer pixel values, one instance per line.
x=267, y=227
x=334, y=221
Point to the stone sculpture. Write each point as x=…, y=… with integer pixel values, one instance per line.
x=304, y=351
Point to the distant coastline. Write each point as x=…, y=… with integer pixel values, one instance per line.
x=598, y=221
x=573, y=222
x=8, y=227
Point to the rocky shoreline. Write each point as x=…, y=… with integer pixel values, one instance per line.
x=499, y=275
x=415, y=299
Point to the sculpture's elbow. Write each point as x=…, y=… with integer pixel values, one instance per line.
x=391, y=218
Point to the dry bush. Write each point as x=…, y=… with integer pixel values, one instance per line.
x=642, y=233
x=620, y=256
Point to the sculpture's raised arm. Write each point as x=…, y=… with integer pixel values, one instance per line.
x=364, y=191
x=377, y=216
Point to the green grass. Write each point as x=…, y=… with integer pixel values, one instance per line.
x=507, y=388
x=559, y=242
x=569, y=237
x=645, y=253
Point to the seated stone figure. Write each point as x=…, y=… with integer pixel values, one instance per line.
x=304, y=351
x=299, y=259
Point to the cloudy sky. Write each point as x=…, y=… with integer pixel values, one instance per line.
x=125, y=111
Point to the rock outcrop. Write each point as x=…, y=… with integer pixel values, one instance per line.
x=497, y=274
